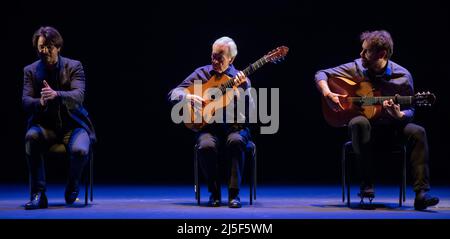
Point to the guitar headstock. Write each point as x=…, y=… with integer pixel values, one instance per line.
x=425, y=99
x=277, y=54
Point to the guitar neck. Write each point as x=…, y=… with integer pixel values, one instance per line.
x=378, y=100
x=247, y=71
x=255, y=66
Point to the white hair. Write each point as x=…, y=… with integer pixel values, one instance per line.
x=229, y=42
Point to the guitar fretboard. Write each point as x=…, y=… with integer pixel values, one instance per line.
x=247, y=71
x=378, y=100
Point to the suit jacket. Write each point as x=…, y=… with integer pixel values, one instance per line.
x=70, y=93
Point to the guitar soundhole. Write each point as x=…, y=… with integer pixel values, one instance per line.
x=213, y=97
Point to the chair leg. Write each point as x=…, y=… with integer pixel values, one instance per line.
x=252, y=171
x=89, y=179
x=251, y=185
x=91, y=174
x=196, y=176
x=401, y=195
x=86, y=192
x=348, y=192
x=198, y=190
x=404, y=173
x=254, y=174
x=29, y=186
x=86, y=186
x=343, y=176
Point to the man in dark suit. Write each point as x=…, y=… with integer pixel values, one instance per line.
x=53, y=93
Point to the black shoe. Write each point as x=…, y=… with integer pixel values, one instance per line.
x=71, y=194
x=38, y=200
x=214, y=200
x=367, y=191
x=424, y=200
x=234, y=202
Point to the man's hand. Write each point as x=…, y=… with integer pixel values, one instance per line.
x=42, y=101
x=240, y=78
x=47, y=94
x=196, y=101
x=393, y=109
x=333, y=102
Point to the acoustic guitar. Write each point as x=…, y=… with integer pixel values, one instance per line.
x=362, y=99
x=224, y=84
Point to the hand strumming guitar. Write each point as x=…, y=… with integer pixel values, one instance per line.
x=331, y=98
x=333, y=102
x=196, y=101
x=240, y=78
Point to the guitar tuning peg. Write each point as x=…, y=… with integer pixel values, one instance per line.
x=428, y=92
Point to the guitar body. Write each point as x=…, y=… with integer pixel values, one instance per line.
x=218, y=92
x=209, y=91
x=351, y=88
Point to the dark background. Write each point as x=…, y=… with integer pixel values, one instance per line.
x=134, y=53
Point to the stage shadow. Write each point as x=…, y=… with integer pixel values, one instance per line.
x=374, y=206
x=205, y=204
x=53, y=206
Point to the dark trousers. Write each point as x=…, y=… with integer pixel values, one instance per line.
x=366, y=137
x=37, y=142
x=210, y=143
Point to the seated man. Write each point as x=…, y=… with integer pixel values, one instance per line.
x=390, y=79
x=233, y=136
x=53, y=93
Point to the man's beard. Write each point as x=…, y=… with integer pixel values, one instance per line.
x=47, y=59
x=365, y=63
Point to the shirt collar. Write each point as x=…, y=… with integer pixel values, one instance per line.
x=386, y=74
x=230, y=71
x=58, y=65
